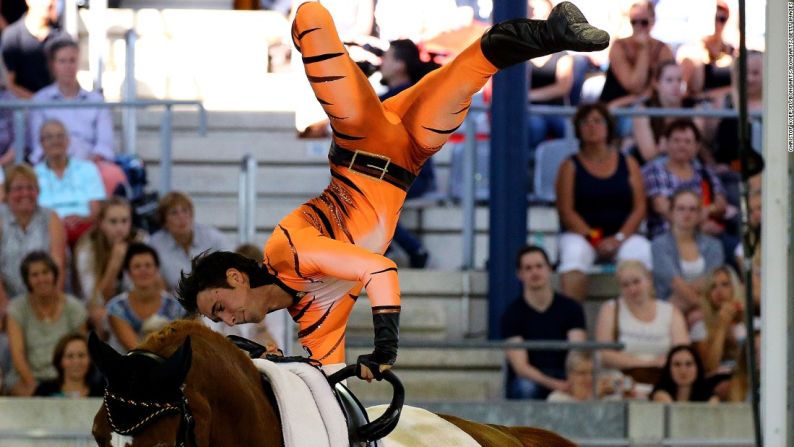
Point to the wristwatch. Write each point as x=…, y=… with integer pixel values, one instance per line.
x=620, y=237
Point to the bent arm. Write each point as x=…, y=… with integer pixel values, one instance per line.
x=563, y=82
x=565, y=200
x=634, y=219
x=605, y=330
x=16, y=342
x=519, y=361
x=633, y=77
x=123, y=331
x=643, y=135
x=377, y=273
x=58, y=246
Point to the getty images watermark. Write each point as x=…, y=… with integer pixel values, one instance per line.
x=790, y=75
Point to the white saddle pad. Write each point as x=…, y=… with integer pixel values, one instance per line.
x=310, y=414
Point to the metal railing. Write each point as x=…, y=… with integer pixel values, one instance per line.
x=246, y=201
x=85, y=439
x=666, y=442
x=166, y=135
x=535, y=345
x=468, y=199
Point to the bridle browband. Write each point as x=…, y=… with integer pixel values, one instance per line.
x=186, y=437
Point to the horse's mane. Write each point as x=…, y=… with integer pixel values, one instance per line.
x=208, y=346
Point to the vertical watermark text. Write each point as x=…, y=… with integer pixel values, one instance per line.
x=790, y=75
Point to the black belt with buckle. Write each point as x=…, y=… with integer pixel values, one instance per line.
x=371, y=165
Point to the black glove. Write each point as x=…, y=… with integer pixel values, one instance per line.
x=386, y=338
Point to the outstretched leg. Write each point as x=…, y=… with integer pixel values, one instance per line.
x=436, y=106
x=339, y=85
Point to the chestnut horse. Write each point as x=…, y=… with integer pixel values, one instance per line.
x=188, y=386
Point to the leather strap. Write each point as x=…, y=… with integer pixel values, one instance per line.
x=371, y=165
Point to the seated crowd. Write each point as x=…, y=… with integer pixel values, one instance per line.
x=653, y=195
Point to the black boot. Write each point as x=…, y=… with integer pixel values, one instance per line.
x=518, y=40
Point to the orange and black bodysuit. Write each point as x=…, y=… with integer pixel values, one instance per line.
x=333, y=245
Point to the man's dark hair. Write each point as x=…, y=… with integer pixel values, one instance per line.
x=407, y=52
x=531, y=249
x=683, y=124
x=139, y=248
x=208, y=271
x=34, y=257
x=53, y=48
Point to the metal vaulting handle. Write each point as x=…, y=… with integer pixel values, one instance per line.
x=382, y=426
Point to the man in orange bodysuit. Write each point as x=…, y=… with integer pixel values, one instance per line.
x=322, y=254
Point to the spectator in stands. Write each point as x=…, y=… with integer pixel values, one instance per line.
x=401, y=67
x=11, y=11
x=707, y=63
x=7, y=133
x=70, y=186
x=26, y=226
x=550, y=83
x=725, y=145
x=601, y=203
x=5, y=354
x=718, y=335
x=682, y=170
x=739, y=390
x=37, y=321
x=666, y=92
x=99, y=254
x=181, y=238
x=754, y=222
x=682, y=378
x=73, y=364
x=90, y=130
x=23, y=47
x=268, y=332
x=147, y=307
x=648, y=327
x=579, y=370
x=539, y=314
x=99, y=258
x=633, y=59
x=684, y=257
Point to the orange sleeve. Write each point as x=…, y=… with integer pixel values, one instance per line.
x=329, y=257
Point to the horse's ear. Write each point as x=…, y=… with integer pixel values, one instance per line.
x=178, y=365
x=104, y=356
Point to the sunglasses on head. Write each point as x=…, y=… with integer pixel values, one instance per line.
x=643, y=22
x=721, y=19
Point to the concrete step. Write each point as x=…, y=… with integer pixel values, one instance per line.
x=221, y=210
x=186, y=118
x=197, y=54
x=271, y=148
x=445, y=385
x=177, y=4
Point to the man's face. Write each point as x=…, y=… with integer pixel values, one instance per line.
x=682, y=145
x=533, y=271
x=65, y=64
x=54, y=140
x=234, y=305
x=390, y=66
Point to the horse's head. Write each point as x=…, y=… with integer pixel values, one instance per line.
x=145, y=395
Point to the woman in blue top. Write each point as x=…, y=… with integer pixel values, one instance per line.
x=145, y=308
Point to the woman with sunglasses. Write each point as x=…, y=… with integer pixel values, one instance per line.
x=706, y=64
x=633, y=59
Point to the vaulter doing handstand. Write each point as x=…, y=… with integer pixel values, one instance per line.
x=322, y=254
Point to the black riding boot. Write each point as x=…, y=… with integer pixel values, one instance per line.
x=518, y=40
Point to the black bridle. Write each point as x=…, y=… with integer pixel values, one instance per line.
x=186, y=436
